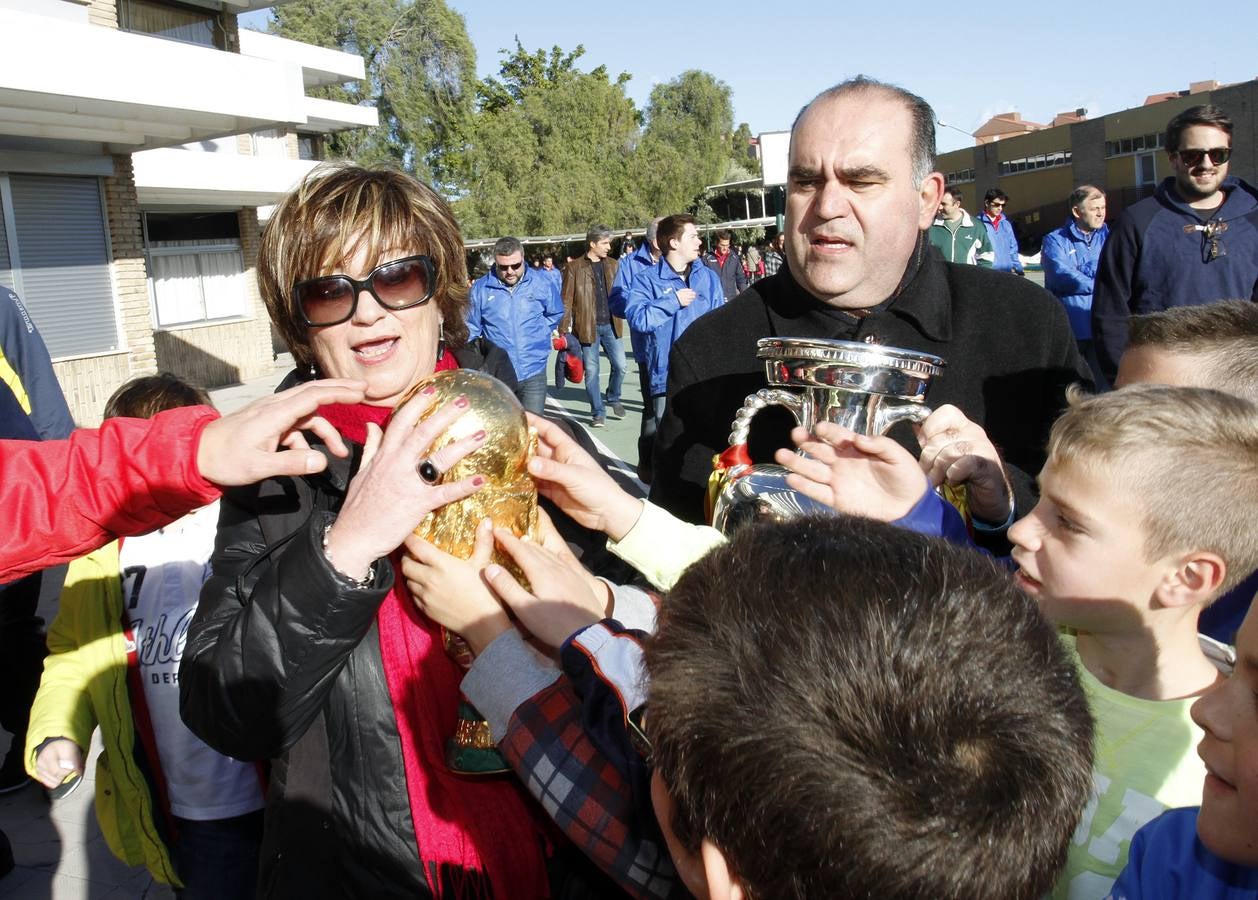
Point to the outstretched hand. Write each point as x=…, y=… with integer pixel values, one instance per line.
x=244, y=447
x=957, y=451
x=853, y=473
x=572, y=480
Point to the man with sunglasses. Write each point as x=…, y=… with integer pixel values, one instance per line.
x=516, y=308
x=1000, y=232
x=1194, y=241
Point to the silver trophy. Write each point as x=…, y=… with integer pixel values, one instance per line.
x=863, y=387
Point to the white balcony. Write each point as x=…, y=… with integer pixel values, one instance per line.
x=127, y=92
x=319, y=65
x=189, y=178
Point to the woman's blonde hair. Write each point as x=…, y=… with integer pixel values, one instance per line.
x=339, y=208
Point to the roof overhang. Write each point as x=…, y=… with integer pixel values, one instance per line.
x=190, y=178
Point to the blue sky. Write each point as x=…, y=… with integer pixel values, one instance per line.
x=1036, y=58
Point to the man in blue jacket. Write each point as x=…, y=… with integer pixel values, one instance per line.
x=646, y=256
x=1000, y=231
x=517, y=308
x=1069, y=256
x=1194, y=241
x=665, y=300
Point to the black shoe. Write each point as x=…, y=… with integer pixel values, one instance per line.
x=597, y=422
x=12, y=775
x=618, y=411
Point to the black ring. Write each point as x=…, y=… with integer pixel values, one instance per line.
x=428, y=472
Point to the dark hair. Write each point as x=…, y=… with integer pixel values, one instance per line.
x=922, y=134
x=954, y=191
x=1210, y=115
x=596, y=234
x=320, y=224
x=146, y=396
x=995, y=194
x=847, y=709
x=670, y=229
x=505, y=246
x=1082, y=194
x=725, y=235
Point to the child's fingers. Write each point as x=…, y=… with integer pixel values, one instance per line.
x=811, y=489
x=506, y=588
x=813, y=469
x=483, y=545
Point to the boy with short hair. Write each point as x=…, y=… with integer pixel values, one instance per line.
x=837, y=708
x=1216, y=346
x=1148, y=511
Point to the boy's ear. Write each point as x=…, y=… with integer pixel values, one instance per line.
x=722, y=884
x=1195, y=580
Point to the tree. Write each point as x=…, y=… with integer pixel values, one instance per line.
x=420, y=76
x=686, y=143
x=550, y=148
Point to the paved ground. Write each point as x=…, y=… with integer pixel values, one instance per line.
x=59, y=849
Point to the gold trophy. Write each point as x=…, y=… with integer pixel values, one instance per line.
x=509, y=499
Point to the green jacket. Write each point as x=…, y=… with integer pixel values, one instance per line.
x=85, y=685
x=970, y=244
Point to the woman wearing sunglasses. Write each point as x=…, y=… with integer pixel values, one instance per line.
x=306, y=649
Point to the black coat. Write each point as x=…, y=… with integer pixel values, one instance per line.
x=282, y=663
x=1007, y=343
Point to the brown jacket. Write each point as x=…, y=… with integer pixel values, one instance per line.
x=579, y=314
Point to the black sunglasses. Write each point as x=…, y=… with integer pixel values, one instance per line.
x=1218, y=156
x=511, y=267
x=332, y=299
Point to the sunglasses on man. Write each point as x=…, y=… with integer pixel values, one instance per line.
x=398, y=284
x=1192, y=158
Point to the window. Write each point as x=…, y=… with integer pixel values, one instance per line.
x=270, y=143
x=196, y=268
x=1145, y=169
x=57, y=251
x=310, y=146
x=172, y=21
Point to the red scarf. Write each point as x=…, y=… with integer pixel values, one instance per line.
x=477, y=836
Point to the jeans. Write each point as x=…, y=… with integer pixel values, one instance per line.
x=615, y=350
x=531, y=393
x=217, y=859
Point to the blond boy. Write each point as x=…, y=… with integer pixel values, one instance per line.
x=1148, y=511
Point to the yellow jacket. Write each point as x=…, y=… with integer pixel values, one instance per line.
x=85, y=685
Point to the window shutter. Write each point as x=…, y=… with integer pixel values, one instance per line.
x=65, y=262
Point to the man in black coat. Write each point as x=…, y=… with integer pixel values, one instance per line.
x=860, y=195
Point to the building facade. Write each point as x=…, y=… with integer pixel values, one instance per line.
x=133, y=162
x=1123, y=153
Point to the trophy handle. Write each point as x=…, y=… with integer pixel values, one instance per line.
x=890, y=415
x=758, y=401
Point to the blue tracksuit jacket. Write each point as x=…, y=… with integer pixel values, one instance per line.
x=1070, y=257
x=653, y=309
x=518, y=319
x=618, y=299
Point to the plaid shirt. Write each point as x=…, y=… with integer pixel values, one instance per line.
x=772, y=262
x=571, y=747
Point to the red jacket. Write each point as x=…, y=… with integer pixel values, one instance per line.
x=62, y=499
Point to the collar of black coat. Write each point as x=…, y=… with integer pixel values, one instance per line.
x=922, y=297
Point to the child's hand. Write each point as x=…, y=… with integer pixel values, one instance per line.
x=571, y=479
x=56, y=760
x=561, y=602
x=451, y=591
x=958, y=451
x=853, y=473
